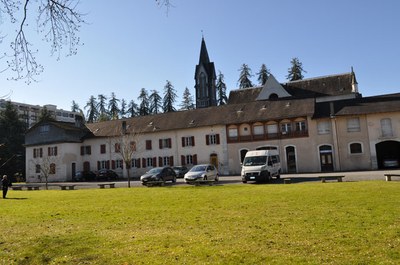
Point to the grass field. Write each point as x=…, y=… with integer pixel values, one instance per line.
x=313, y=223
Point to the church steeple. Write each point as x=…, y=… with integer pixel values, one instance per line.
x=203, y=53
x=205, y=77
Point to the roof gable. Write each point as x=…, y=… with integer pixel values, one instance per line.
x=272, y=87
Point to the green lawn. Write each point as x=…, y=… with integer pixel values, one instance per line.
x=313, y=223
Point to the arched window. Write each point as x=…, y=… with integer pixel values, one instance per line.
x=273, y=96
x=355, y=148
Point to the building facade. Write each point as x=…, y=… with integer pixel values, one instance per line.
x=320, y=124
x=30, y=114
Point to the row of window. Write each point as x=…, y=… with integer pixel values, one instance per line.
x=51, y=151
x=353, y=125
x=272, y=129
x=145, y=162
x=189, y=141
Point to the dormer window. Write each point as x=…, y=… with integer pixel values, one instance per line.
x=273, y=96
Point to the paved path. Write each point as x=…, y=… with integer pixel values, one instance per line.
x=226, y=180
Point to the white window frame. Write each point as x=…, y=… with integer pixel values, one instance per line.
x=353, y=124
x=324, y=127
x=362, y=148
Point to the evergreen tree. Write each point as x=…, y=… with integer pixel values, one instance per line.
x=113, y=108
x=132, y=109
x=92, y=112
x=123, y=110
x=187, y=102
x=263, y=74
x=245, y=75
x=295, y=72
x=169, y=97
x=144, y=102
x=221, y=89
x=46, y=115
x=12, y=137
x=155, y=102
x=101, y=105
x=75, y=107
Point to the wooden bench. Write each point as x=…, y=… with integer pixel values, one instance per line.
x=32, y=187
x=287, y=181
x=67, y=187
x=389, y=176
x=324, y=178
x=103, y=185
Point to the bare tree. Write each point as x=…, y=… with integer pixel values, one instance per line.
x=58, y=21
x=46, y=165
x=127, y=140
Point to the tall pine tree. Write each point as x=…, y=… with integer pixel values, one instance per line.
x=169, y=97
x=92, y=112
x=263, y=74
x=221, y=89
x=113, y=108
x=132, y=109
x=144, y=103
x=155, y=102
x=295, y=72
x=187, y=102
x=245, y=75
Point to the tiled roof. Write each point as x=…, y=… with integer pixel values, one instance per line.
x=359, y=106
x=219, y=115
x=333, y=85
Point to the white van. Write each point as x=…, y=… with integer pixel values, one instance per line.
x=261, y=165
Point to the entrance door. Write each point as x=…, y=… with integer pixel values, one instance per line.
x=86, y=166
x=73, y=170
x=291, y=159
x=214, y=160
x=326, y=158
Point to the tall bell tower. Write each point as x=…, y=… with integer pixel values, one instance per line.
x=205, y=77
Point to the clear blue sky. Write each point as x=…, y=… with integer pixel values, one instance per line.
x=129, y=45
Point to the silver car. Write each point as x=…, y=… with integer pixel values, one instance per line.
x=202, y=172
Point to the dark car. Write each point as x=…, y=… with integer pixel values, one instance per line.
x=84, y=176
x=106, y=174
x=159, y=174
x=180, y=171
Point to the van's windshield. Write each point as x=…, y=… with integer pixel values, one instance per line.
x=255, y=161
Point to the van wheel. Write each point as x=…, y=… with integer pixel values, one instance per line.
x=244, y=181
x=278, y=176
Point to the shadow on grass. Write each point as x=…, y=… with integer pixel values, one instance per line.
x=15, y=198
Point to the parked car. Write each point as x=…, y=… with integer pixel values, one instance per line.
x=202, y=172
x=159, y=174
x=180, y=171
x=84, y=176
x=390, y=163
x=106, y=174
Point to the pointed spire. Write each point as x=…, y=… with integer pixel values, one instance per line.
x=354, y=84
x=203, y=53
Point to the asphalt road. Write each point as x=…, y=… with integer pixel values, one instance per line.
x=231, y=180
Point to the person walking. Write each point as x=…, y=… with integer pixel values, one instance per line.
x=5, y=183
